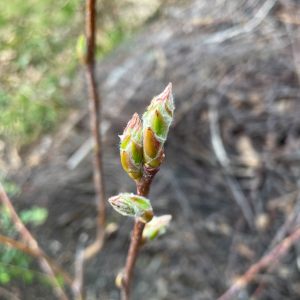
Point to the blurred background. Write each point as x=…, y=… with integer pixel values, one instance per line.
x=231, y=174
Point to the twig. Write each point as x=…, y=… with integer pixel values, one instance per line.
x=143, y=187
x=5, y=240
x=28, y=237
x=287, y=226
x=290, y=223
x=78, y=280
x=272, y=257
x=95, y=124
x=95, y=115
x=223, y=160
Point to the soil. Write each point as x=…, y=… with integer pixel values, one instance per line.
x=235, y=139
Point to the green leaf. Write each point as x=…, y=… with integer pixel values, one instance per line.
x=36, y=216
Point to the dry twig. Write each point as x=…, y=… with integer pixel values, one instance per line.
x=272, y=257
x=5, y=240
x=33, y=244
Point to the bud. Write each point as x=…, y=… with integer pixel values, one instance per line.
x=156, y=122
x=81, y=48
x=119, y=279
x=131, y=151
x=156, y=227
x=133, y=206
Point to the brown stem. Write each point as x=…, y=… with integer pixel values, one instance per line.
x=95, y=124
x=5, y=240
x=143, y=187
x=272, y=257
x=28, y=238
x=132, y=255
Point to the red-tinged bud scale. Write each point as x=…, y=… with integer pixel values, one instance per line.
x=156, y=122
x=133, y=206
x=131, y=151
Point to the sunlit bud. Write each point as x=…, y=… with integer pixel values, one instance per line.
x=156, y=122
x=131, y=151
x=119, y=279
x=133, y=206
x=156, y=227
x=81, y=48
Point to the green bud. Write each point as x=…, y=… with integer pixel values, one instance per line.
x=131, y=151
x=132, y=205
x=156, y=227
x=81, y=48
x=156, y=122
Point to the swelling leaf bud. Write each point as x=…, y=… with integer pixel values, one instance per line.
x=81, y=48
x=119, y=279
x=132, y=205
x=131, y=151
x=156, y=122
x=156, y=227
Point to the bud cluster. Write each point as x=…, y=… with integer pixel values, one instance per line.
x=142, y=152
x=142, y=143
x=156, y=122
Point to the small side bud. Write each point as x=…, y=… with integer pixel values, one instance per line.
x=119, y=279
x=132, y=205
x=156, y=122
x=81, y=48
x=156, y=227
x=131, y=151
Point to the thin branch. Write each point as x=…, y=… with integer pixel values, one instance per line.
x=5, y=240
x=267, y=260
x=143, y=187
x=95, y=124
x=136, y=238
x=95, y=117
x=28, y=238
x=78, y=281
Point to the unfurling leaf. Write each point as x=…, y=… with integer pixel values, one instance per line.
x=156, y=122
x=131, y=151
x=133, y=206
x=156, y=227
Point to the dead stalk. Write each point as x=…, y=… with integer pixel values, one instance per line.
x=33, y=244
x=143, y=187
x=272, y=257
